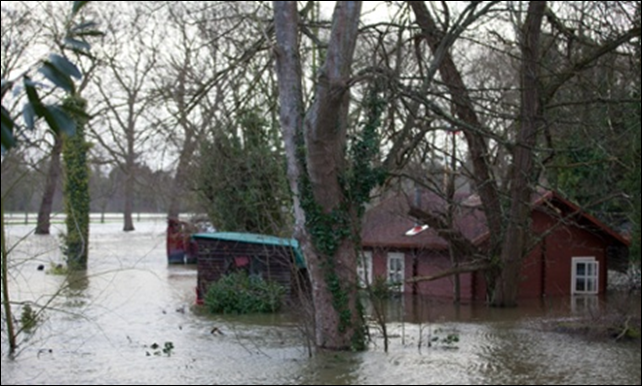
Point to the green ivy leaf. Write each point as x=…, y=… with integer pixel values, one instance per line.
x=59, y=121
x=8, y=141
x=91, y=33
x=77, y=45
x=29, y=115
x=75, y=111
x=34, y=98
x=83, y=27
x=6, y=86
x=57, y=77
x=78, y=5
x=65, y=66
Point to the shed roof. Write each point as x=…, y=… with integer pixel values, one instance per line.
x=251, y=238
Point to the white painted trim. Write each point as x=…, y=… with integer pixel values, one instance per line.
x=401, y=257
x=585, y=260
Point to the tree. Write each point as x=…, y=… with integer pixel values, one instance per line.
x=507, y=221
x=318, y=171
x=257, y=202
x=531, y=119
x=334, y=164
x=197, y=55
x=51, y=184
x=126, y=96
x=76, y=190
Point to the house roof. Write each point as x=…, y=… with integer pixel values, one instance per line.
x=585, y=218
x=252, y=238
x=386, y=224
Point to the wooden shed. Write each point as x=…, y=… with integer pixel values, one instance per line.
x=571, y=255
x=271, y=258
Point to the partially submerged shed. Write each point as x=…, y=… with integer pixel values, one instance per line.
x=270, y=258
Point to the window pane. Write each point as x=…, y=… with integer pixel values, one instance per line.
x=581, y=269
x=580, y=285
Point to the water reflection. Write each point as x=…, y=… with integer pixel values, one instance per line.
x=76, y=284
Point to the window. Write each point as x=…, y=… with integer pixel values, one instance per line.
x=586, y=275
x=396, y=271
x=364, y=269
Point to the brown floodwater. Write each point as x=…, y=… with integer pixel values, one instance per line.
x=104, y=328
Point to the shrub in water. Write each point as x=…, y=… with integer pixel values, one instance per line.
x=239, y=293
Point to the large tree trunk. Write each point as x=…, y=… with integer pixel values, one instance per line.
x=53, y=175
x=330, y=251
x=517, y=233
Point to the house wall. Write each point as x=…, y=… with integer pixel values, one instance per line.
x=533, y=274
x=561, y=246
x=430, y=263
x=215, y=257
x=547, y=269
x=422, y=264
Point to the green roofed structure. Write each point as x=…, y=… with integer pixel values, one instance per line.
x=268, y=257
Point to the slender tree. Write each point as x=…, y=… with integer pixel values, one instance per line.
x=51, y=185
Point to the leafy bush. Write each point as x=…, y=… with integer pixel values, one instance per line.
x=239, y=293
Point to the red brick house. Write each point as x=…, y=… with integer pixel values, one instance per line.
x=570, y=253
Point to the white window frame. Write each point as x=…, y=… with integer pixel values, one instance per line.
x=364, y=269
x=589, y=278
x=396, y=279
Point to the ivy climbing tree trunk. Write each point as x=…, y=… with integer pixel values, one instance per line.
x=53, y=175
x=76, y=190
x=317, y=171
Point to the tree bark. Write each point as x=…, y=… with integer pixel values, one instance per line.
x=292, y=111
x=130, y=164
x=332, y=270
x=128, y=211
x=518, y=231
x=53, y=175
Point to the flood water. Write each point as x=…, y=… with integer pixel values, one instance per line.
x=103, y=328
